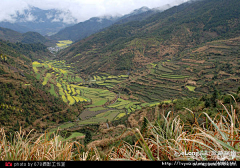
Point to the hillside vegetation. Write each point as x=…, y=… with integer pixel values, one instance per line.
x=122, y=48
x=25, y=38
x=98, y=24
x=24, y=102
x=87, y=28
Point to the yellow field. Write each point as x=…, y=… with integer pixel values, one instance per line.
x=70, y=99
x=69, y=89
x=120, y=115
x=79, y=99
x=64, y=99
x=63, y=71
x=35, y=63
x=35, y=69
x=73, y=91
x=64, y=43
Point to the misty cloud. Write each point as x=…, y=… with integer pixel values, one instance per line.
x=81, y=10
x=49, y=15
x=29, y=18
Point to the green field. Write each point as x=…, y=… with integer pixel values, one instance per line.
x=108, y=81
x=69, y=86
x=52, y=91
x=173, y=76
x=103, y=117
x=35, y=66
x=191, y=88
x=74, y=135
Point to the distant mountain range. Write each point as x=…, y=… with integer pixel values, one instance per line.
x=35, y=23
x=45, y=22
x=61, y=25
x=84, y=29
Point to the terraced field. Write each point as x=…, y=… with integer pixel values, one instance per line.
x=58, y=76
x=105, y=105
x=190, y=74
x=111, y=97
x=108, y=81
x=160, y=83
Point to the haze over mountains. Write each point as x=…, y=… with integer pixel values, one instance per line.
x=93, y=25
x=45, y=22
x=49, y=22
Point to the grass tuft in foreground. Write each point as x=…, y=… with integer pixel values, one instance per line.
x=215, y=139
x=42, y=148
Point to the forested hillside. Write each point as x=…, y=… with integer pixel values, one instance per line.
x=25, y=38
x=23, y=100
x=33, y=51
x=97, y=24
x=83, y=29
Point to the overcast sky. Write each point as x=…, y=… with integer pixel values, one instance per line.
x=81, y=9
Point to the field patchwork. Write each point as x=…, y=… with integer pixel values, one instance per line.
x=105, y=105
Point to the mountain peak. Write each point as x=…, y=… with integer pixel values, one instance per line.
x=140, y=10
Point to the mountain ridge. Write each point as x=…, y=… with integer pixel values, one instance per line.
x=96, y=24
x=25, y=38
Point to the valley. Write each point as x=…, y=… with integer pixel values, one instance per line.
x=102, y=105
x=108, y=98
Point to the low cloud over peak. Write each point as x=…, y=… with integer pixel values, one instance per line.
x=76, y=10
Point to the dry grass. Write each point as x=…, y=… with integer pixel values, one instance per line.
x=216, y=139
x=23, y=148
